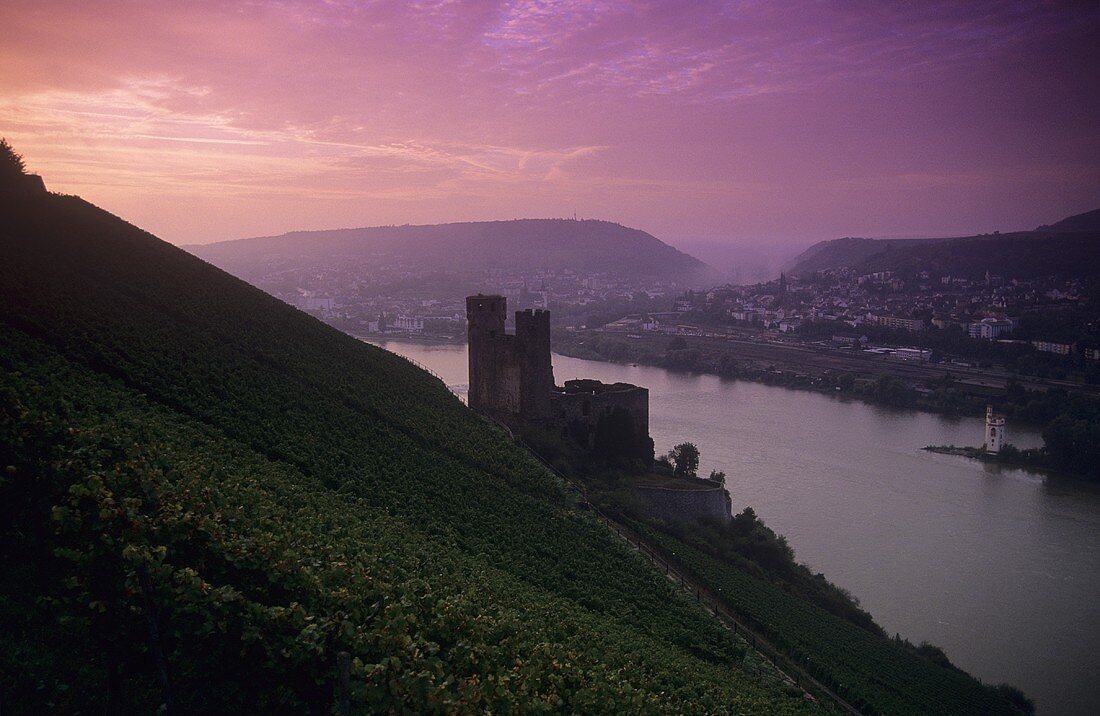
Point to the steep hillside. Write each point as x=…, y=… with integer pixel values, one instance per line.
x=206, y=496
x=598, y=246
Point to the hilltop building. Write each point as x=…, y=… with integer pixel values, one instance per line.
x=994, y=430
x=512, y=382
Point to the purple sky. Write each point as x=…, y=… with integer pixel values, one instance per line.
x=743, y=123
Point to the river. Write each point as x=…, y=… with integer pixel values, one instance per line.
x=999, y=567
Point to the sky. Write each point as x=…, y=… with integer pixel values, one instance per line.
x=740, y=125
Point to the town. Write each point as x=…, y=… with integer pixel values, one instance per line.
x=398, y=299
x=1044, y=327
x=993, y=309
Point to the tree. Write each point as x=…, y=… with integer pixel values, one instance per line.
x=677, y=344
x=687, y=360
x=685, y=457
x=11, y=162
x=717, y=476
x=726, y=366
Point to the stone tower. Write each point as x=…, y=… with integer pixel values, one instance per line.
x=485, y=316
x=994, y=430
x=511, y=376
x=536, y=369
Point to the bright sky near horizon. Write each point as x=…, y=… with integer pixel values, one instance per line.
x=750, y=123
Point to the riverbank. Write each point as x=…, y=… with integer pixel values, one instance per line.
x=377, y=338
x=875, y=382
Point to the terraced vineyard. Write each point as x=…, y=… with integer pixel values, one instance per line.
x=207, y=496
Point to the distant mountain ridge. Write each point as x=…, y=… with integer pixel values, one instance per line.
x=597, y=246
x=1070, y=246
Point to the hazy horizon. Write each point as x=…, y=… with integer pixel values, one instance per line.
x=748, y=127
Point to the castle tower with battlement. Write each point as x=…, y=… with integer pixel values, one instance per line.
x=512, y=381
x=511, y=376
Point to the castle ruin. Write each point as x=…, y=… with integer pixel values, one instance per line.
x=512, y=382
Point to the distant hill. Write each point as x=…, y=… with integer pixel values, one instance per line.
x=597, y=246
x=838, y=253
x=1070, y=247
x=1021, y=255
x=1089, y=221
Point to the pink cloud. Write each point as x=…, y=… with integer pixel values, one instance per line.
x=742, y=121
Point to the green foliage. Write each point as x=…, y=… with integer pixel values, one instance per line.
x=1074, y=444
x=207, y=495
x=1017, y=698
x=684, y=360
x=685, y=458
x=726, y=366
x=12, y=166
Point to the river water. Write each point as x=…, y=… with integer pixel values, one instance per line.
x=999, y=567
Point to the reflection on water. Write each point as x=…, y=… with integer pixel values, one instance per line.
x=999, y=566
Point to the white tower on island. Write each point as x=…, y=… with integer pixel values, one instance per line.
x=994, y=430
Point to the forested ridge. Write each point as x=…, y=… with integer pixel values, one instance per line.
x=206, y=496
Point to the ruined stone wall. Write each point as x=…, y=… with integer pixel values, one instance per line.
x=671, y=505
x=573, y=406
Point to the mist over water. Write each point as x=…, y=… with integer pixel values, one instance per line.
x=999, y=567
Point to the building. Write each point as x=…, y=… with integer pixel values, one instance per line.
x=849, y=340
x=994, y=430
x=790, y=325
x=512, y=382
x=410, y=324
x=897, y=322
x=315, y=303
x=1062, y=349
x=991, y=328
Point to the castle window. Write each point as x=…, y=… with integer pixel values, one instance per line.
x=586, y=408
